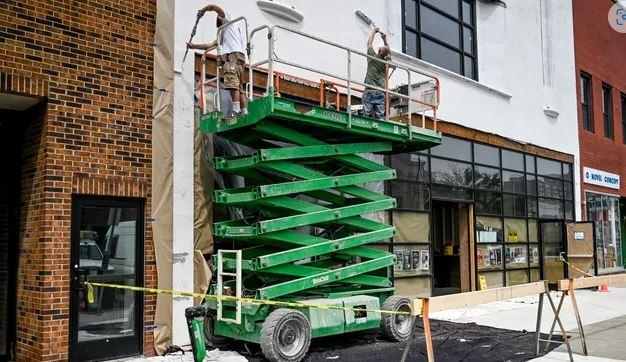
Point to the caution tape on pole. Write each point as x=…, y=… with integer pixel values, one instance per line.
x=228, y=298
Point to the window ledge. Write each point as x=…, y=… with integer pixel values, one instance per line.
x=446, y=73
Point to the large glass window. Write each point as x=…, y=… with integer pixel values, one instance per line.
x=511, y=192
x=607, y=110
x=604, y=211
x=451, y=173
x=586, y=101
x=442, y=32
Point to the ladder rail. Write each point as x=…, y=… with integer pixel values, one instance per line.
x=220, y=285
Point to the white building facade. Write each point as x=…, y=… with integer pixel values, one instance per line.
x=508, y=100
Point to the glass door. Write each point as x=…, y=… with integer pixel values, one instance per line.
x=553, y=244
x=107, y=247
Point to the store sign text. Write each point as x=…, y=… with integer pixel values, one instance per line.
x=601, y=178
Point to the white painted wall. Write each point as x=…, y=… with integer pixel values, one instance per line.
x=508, y=100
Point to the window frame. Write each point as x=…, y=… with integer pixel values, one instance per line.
x=586, y=94
x=419, y=34
x=607, y=111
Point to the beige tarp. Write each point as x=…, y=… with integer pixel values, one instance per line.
x=203, y=185
x=579, y=248
x=162, y=167
x=162, y=181
x=203, y=207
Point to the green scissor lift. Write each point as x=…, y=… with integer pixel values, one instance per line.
x=303, y=238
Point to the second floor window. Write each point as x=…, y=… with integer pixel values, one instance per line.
x=607, y=110
x=586, y=101
x=442, y=32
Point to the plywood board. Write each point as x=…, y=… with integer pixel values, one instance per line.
x=464, y=300
x=580, y=283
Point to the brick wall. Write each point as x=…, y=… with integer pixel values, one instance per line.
x=600, y=52
x=94, y=61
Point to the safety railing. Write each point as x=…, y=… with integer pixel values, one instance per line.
x=343, y=85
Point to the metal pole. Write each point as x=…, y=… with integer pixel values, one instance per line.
x=270, y=63
x=349, y=107
x=538, y=328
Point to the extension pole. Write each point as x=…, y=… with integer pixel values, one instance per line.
x=193, y=33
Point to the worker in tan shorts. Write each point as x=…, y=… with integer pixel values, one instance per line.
x=233, y=48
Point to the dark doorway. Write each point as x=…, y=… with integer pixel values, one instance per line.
x=452, y=246
x=107, y=247
x=553, y=244
x=11, y=134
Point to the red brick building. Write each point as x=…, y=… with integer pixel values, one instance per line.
x=76, y=136
x=600, y=53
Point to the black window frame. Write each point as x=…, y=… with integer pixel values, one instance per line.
x=607, y=111
x=586, y=101
x=461, y=24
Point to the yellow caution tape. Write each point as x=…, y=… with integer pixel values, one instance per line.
x=573, y=267
x=228, y=298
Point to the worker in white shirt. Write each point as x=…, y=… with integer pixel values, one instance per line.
x=233, y=57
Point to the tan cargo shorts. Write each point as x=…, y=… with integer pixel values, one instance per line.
x=233, y=70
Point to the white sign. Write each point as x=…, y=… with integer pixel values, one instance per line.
x=579, y=235
x=600, y=178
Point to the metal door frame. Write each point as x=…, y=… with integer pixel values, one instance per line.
x=541, y=243
x=122, y=346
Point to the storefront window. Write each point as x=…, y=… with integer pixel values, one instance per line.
x=511, y=193
x=604, y=211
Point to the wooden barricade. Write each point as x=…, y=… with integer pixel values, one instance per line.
x=567, y=287
x=424, y=306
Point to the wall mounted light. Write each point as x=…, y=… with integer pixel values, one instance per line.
x=284, y=11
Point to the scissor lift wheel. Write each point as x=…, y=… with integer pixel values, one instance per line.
x=397, y=327
x=210, y=337
x=285, y=336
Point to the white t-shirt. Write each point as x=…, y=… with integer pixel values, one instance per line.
x=233, y=37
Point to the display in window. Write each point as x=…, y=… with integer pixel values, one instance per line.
x=534, y=255
x=489, y=257
x=488, y=230
x=516, y=255
x=425, y=260
x=399, y=260
x=411, y=262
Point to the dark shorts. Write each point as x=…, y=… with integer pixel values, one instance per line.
x=374, y=103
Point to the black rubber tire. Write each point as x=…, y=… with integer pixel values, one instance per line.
x=275, y=325
x=394, y=326
x=210, y=338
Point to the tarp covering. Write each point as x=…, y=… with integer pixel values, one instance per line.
x=202, y=186
x=162, y=168
x=579, y=248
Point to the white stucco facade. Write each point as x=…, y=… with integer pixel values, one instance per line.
x=525, y=57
